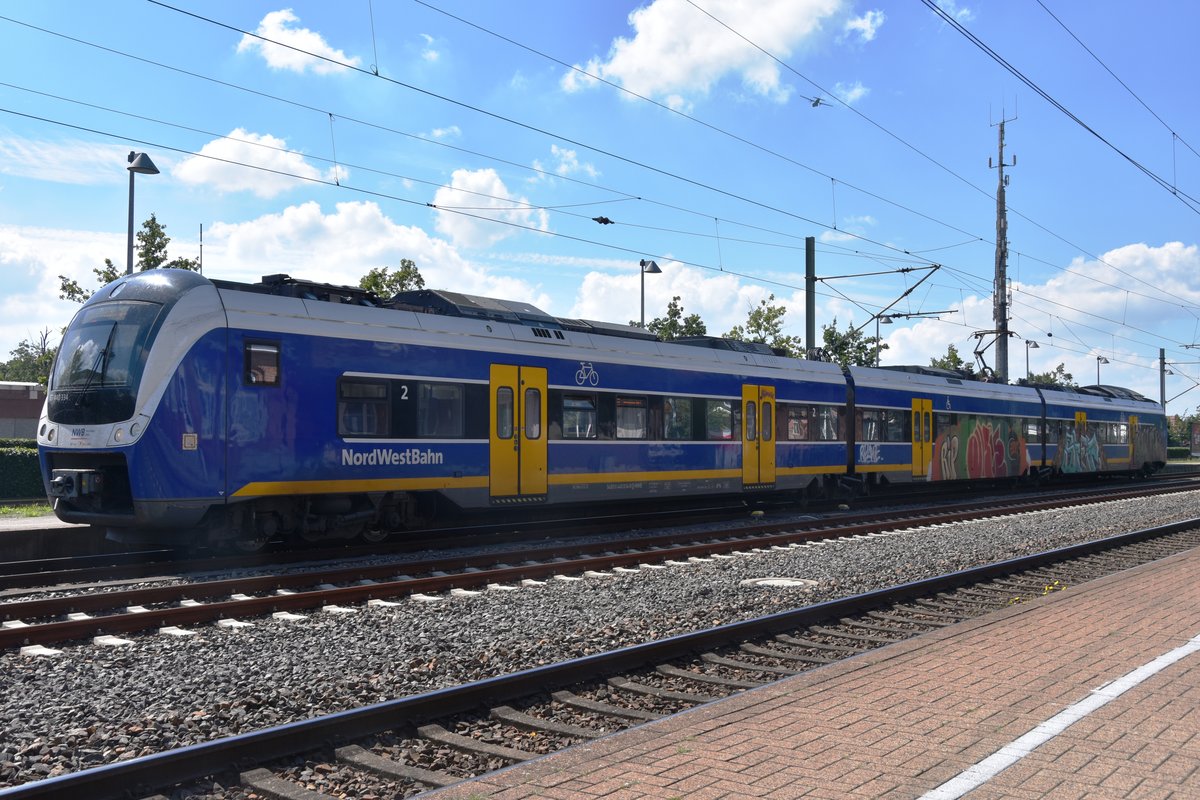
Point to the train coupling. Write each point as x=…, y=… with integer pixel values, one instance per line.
x=73, y=483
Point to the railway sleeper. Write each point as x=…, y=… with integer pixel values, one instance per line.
x=608, y=709
x=783, y=655
x=528, y=722
x=748, y=666
x=436, y=733
x=364, y=759
x=905, y=629
x=267, y=784
x=813, y=644
x=899, y=618
x=854, y=637
x=700, y=677
x=665, y=694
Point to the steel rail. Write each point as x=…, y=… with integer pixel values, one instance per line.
x=148, y=773
x=544, y=562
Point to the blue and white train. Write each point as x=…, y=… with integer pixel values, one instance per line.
x=193, y=410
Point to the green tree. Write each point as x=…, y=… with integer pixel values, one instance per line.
x=952, y=360
x=765, y=324
x=1056, y=377
x=675, y=325
x=386, y=284
x=1179, y=429
x=852, y=348
x=31, y=360
x=152, y=241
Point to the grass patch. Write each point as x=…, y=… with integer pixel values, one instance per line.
x=25, y=510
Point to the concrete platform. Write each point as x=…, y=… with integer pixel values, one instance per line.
x=1093, y=692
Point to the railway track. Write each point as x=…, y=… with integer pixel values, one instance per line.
x=169, y=606
x=139, y=563
x=438, y=738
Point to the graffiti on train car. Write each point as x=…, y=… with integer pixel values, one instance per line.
x=980, y=448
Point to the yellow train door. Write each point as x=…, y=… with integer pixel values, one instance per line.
x=922, y=436
x=517, y=432
x=758, y=435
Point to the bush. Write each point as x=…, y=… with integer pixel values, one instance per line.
x=1179, y=453
x=20, y=477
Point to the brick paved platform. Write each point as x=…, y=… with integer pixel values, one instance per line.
x=904, y=720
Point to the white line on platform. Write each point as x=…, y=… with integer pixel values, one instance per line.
x=1006, y=756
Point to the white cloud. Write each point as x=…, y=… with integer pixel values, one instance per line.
x=951, y=7
x=721, y=299
x=449, y=132
x=866, y=26
x=277, y=26
x=566, y=163
x=298, y=241
x=481, y=196
x=679, y=53
x=73, y=162
x=429, y=53
x=850, y=94
x=228, y=165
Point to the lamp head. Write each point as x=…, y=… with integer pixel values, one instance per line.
x=650, y=268
x=141, y=163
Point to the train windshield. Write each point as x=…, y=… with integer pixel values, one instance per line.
x=104, y=346
x=100, y=362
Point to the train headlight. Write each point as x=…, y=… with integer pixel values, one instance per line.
x=135, y=430
x=42, y=430
x=50, y=435
x=119, y=435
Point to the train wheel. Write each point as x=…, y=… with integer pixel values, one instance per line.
x=374, y=535
x=250, y=546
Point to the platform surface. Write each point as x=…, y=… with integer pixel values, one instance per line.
x=1092, y=692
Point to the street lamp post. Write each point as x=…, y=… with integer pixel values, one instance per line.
x=138, y=162
x=651, y=268
x=886, y=320
x=1030, y=344
x=1099, y=360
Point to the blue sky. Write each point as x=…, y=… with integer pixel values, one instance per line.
x=458, y=134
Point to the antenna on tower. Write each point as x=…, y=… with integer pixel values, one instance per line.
x=1000, y=304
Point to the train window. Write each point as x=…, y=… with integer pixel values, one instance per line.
x=440, y=410
x=533, y=414
x=631, y=418
x=869, y=425
x=767, y=419
x=364, y=409
x=942, y=424
x=504, y=412
x=797, y=423
x=677, y=418
x=828, y=423
x=1032, y=433
x=261, y=363
x=897, y=430
x=579, y=417
x=1122, y=433
x=751, y=421
x=718, y=419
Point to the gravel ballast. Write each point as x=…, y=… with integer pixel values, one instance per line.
x=93, y=705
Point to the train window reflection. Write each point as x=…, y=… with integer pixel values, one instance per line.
x=440, y=410
x=262, y=364
x=797, y=423
x=677, y=418
x=504, y=412
x=533, y=414
x=579, y=417
x=363, y=409
x=718, y=419
x=631, y=418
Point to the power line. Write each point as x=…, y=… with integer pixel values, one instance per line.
x=1117, y=79
x=1180, y=195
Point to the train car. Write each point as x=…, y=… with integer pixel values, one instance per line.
x=186, y=409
